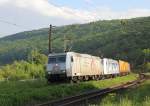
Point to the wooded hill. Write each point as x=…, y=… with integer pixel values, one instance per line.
x=117, y=39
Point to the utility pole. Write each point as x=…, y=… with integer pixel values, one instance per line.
x=50, y=43
x=67, y=47
x=65, y=44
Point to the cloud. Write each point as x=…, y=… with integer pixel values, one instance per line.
x=136, y=13
x=106, y=13
x=40, y=13
x=44, y=8
x=3, y=2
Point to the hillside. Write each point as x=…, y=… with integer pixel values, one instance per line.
x=118, y=39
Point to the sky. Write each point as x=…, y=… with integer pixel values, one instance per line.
x=23, y=15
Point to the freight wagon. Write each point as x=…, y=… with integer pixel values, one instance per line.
x=111, y=67
x=75, y=67
x=124, y=67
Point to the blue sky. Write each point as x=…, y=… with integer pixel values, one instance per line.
x=118, y=5
x=22, y=15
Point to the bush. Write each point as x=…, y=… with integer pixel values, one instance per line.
x=147, y=67
x=20, y=70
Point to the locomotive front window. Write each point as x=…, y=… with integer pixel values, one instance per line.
x=52, y=60
x=61, y=59
x=57, y=59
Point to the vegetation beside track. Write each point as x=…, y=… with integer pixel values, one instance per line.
x=33, y=68
x=139, y=96
x=17, y=93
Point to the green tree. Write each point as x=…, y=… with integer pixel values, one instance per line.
x=36, y=57
x=146, y=53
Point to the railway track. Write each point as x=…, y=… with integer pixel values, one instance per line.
x=85, y=97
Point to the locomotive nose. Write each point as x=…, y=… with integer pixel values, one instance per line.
x=56, y=68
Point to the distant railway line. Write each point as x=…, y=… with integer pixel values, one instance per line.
x=85, y=98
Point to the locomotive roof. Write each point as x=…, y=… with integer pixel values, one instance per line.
x=54, y=54
x=75, y=53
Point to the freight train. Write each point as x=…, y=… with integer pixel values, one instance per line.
x=76, y=67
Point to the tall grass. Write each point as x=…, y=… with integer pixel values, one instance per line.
x=18, y=93
x=139, y=96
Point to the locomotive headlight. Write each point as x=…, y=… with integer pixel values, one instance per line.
x=49, y=72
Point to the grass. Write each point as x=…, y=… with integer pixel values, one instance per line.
x=16, y=93
x=139, y=96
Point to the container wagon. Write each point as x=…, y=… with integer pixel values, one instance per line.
x=124, y=67
x=110, y=67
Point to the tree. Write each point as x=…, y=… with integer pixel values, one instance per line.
x=146, y=53
x=36, y=57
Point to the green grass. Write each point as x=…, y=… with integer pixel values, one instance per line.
x=139, y=96
x=15, y=93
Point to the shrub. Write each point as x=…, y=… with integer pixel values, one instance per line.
x=147, y=67
x=33, y=68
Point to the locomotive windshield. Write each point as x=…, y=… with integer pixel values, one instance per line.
x=52, y=60
x=57, y=59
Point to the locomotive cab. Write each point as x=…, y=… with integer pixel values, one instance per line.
x=56, y=67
